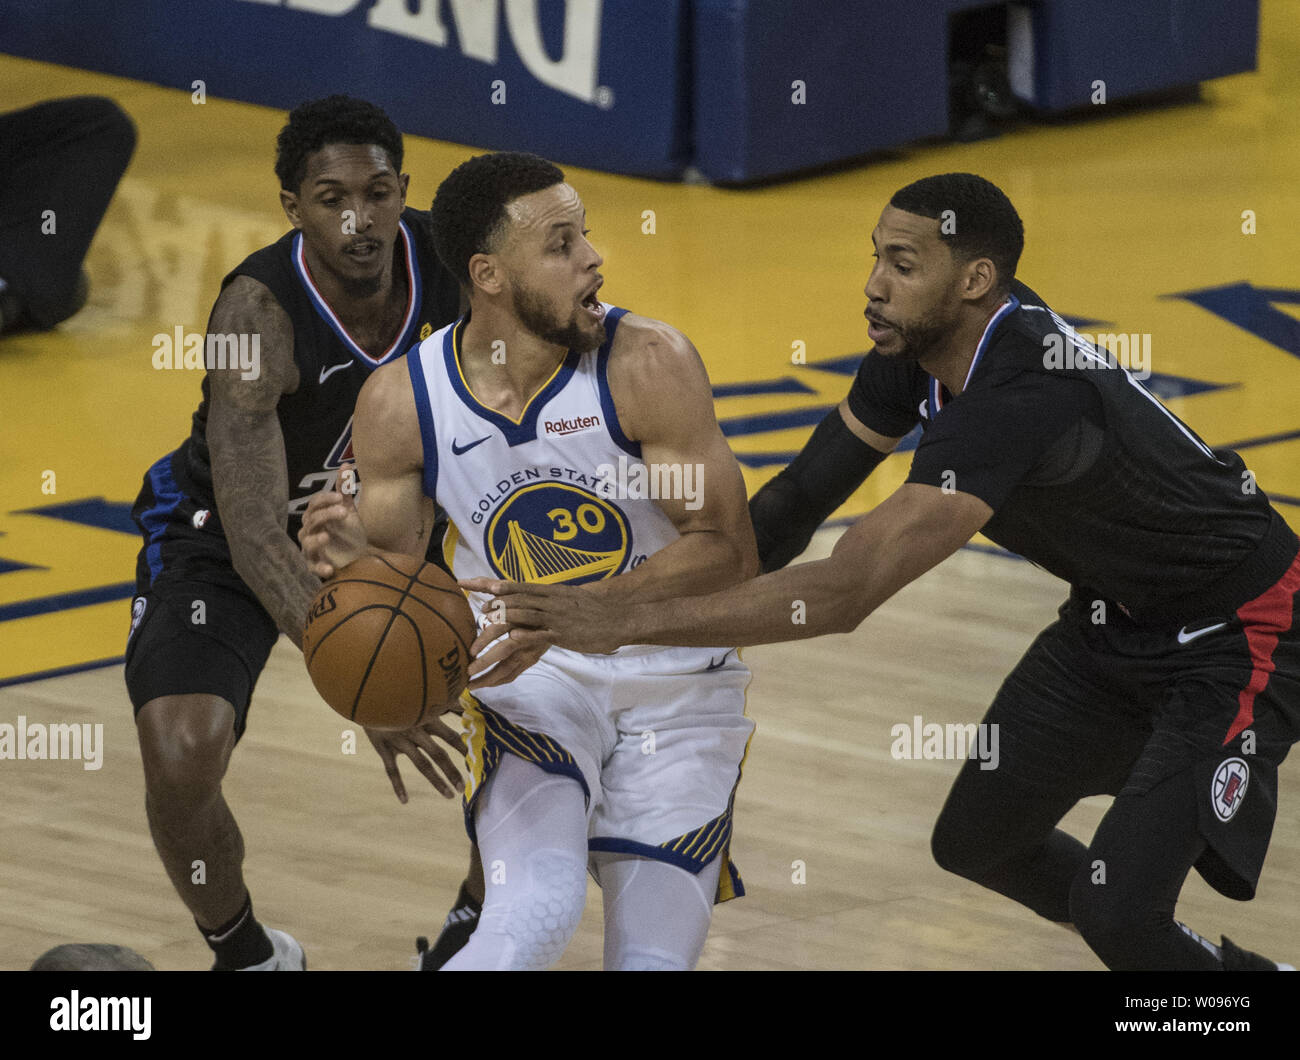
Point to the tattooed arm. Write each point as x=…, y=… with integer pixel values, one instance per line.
x=249, y=476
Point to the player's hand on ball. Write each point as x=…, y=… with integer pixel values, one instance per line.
x=537, y=616
x=500, y=662
x=429, y=758
x=332, y=534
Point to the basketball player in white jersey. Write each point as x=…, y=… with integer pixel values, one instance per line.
x=538, y=422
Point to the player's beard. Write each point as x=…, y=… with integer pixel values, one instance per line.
x=923, y=337
x=535, y=314
x=360, y=287
x=363, y=286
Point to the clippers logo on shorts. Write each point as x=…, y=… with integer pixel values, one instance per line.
x=200, y=518
x=137, y=613
x=552, y=533
x=1229, y=787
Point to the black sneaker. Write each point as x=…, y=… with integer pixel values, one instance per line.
x=456, y=930
x=1235, y=959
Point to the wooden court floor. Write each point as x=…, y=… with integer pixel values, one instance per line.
x=1130, y=219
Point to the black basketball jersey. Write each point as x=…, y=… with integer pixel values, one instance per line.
x=1088, y=474
x=316, y=419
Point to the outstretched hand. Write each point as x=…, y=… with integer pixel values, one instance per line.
x=538, y=616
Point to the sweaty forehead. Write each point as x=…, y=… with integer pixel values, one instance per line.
x=537, y=212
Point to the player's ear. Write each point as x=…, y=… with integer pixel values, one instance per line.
x=403, y=182
x=486, y=274
x=289, y=203
x=981, y=277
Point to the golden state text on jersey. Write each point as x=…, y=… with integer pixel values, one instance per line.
x=530, y=499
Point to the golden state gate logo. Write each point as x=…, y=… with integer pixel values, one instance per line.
x=551, y=533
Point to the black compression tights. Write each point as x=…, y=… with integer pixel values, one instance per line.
x=1120, y=892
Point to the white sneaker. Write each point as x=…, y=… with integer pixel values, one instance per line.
x=286, y=954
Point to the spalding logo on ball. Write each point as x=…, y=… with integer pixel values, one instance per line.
x=387, y=641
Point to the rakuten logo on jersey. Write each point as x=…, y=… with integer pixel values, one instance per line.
x=577, y=425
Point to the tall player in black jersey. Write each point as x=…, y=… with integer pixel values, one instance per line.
x=353, y=286
x=1171, y=678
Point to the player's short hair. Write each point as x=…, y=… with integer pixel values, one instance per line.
x=984, y=223
x=91, y=957
x=332, y=120
x=469, y=211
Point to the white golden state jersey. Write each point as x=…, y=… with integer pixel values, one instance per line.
x=535, y=499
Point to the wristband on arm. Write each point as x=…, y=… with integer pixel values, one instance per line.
x=789, y=509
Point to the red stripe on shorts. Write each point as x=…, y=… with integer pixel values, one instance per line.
x=1264, y=617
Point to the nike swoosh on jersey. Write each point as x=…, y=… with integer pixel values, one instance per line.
x=325, y=373
x=717, y=665
x=459, y=449
x=1184, y=637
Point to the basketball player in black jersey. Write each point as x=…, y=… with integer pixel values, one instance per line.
x=1171, y=678
x=353, y=286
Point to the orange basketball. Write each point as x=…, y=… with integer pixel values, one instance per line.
x=387, y=641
